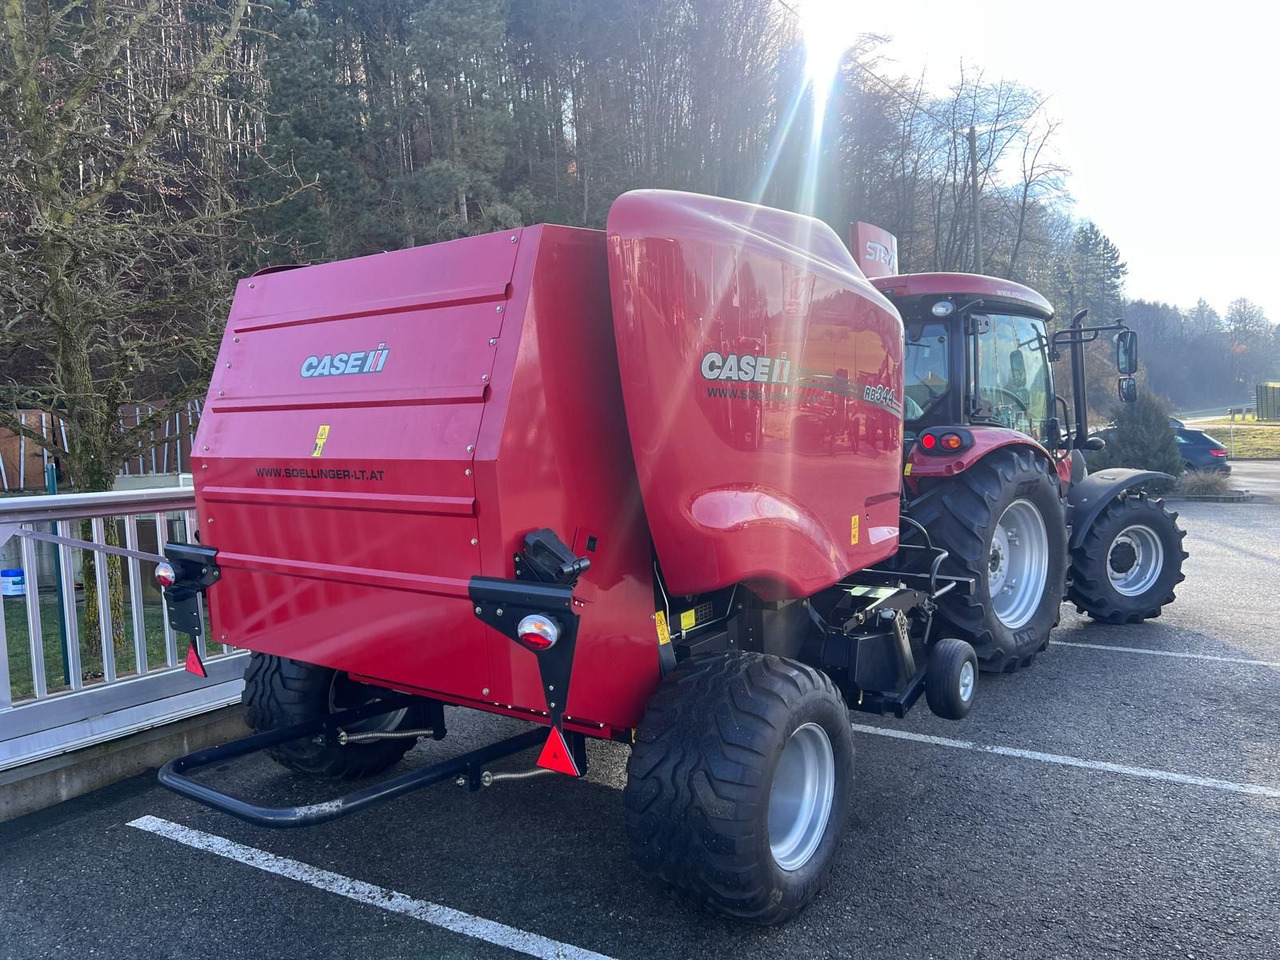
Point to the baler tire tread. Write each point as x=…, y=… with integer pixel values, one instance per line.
x=956, y=513
x=699, y=775
x=1089, y=587
x=279, y=691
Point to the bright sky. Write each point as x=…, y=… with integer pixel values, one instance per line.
x=1170, y=115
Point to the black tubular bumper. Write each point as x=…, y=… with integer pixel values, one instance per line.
x=174, y=774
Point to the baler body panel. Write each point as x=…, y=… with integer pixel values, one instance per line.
x=762, y=375
x=351, y=509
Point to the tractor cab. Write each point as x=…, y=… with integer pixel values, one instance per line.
x=977, y=354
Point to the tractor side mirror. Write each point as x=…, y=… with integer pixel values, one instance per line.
x=1095, y=443
x=1127, y=387
x=1127, y=352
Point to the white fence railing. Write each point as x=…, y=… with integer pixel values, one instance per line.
x=61, y=689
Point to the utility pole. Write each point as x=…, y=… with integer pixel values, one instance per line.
x=973, y=186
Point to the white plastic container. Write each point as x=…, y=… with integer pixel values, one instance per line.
x=13, y=583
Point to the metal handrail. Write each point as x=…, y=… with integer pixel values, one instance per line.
x=143, y=689
x=83, y=506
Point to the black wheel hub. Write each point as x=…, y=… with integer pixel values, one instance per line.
x=1123, y=557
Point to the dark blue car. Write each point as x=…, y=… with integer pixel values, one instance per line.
x=1201, y=452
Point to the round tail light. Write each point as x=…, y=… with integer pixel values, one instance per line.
x=538, y=632
x=165, y=574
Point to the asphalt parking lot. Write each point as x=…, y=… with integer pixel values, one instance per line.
x=1120, y=798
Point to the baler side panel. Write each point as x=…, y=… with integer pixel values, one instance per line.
x=554, y=452
x=762, y=376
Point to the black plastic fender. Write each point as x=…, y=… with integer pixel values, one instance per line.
x=1088, y=497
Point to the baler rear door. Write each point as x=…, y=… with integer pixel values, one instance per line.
x=762, y=379
x=334, y=460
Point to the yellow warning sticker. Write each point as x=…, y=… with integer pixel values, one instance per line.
x=688, y=619
x=322, y=436
x=906, y=471
x=853, y=530
x=664, y=635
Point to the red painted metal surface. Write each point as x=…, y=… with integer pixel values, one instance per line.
x=350, y=509
x=763, y=384
x=923, y=465
x=875, y=250
x=1000, y=292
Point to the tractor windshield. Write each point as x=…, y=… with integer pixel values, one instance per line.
x=1014, y=385
x=926, y=368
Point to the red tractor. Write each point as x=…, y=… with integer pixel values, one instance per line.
x=641, y=485
x=995, y=470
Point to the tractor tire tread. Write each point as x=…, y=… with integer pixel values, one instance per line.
x=956, y=514
x=1088, y=587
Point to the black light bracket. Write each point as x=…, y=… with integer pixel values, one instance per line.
x=195, y=571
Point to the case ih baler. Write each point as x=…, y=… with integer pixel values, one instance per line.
x=643, y=485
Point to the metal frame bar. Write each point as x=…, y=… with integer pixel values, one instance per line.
x=135, y=597
x=6, y=688
x=35, y=630
x=70, y=613
x=170, y=638
x=173, y=773
x=106, y=629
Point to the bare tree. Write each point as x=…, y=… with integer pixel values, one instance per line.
x=122, y=127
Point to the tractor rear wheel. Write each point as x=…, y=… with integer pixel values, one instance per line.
x=1002, y=523
x=1127, y=565
x=279, y=692
x=739, y=781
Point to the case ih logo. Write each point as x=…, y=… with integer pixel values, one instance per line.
x=342, y=364
x=747, y=368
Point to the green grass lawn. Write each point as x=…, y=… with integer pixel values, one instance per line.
x=1246, y=441
x=19, y=647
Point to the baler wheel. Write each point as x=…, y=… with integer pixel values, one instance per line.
x=1125, y=569
x=279, y=691
x=739, y=782
x=950, y=678
x=1003, y=525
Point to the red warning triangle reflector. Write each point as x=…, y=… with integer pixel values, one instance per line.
x=193, y=662
x=556, y=756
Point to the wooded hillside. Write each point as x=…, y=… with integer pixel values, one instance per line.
x=152, y=150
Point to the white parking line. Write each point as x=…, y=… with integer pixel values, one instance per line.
x=447, y=918
x=1146, y=773
x=1166, y=653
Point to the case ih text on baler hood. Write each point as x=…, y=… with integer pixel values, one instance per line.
x=642, y=485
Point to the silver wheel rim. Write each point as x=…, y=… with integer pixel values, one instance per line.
x=1018, y=565
x=803, y=792
x=381, y=724
x=966, y=681
x=1134, y=560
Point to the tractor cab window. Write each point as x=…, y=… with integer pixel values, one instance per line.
x=926, y=368
x=1014, y=384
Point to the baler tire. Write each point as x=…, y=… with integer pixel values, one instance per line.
x=701, y=777
x=1091, y=588
x=961, y=514
x=948, y=686
x=279, y=691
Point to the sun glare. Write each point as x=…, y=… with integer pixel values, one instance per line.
x=827, y=26
x=828, y=30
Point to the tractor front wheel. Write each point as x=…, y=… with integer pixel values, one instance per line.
x=1002, y=523
x=739, y=782
x=1128, y=563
